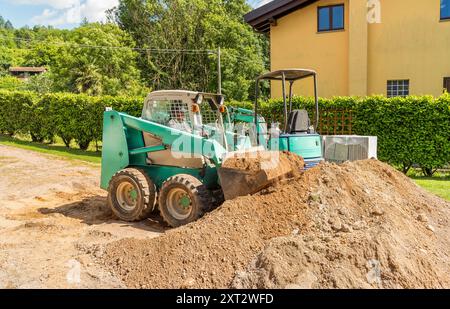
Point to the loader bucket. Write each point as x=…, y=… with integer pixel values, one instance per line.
x=246, y=175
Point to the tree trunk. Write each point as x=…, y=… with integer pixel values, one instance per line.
x=84, y=145
x=429, y=172
x=66, y=141
x=406, y=167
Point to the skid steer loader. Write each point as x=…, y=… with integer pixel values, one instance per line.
x=171, y=158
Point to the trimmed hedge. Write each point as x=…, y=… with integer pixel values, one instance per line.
x=69, y=116
x=16, y=111
x=411, y=130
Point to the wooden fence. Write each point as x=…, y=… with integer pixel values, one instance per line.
x=331, y=121
x=335, y=122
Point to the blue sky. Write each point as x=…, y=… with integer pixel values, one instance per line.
x=61, y=13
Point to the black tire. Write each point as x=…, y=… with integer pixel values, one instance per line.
x=131, y=195
x=182, y=187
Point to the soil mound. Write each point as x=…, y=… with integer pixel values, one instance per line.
x=355, y=225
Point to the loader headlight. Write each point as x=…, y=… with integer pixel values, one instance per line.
x=195, y=108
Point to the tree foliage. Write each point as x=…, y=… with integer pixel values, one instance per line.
x=94, y=58
x=99, y=59
x=5, y=24
x=96, y=69
x=194, y=25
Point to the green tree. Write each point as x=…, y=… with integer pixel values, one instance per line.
x=88, y=79
x=5, y=24
x=98, y=60
x=41, y=83
x=8, y=25
x=194, y=25
x=11, y=83
x=44, y=52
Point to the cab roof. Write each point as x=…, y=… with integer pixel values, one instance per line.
x=263, y=17
x=186, y=94
x=290, y=74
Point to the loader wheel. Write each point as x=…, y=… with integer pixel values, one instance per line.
x=131, y=195
x=183, y=199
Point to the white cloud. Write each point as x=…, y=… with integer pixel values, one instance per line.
x=258, y=3
x=94, y=10
x=263, y=2
x=71, y=11
x=46, y=15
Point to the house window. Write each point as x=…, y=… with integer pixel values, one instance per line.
x=447, y=84
x=445, y=9
x=330, y=18
x=397, y=88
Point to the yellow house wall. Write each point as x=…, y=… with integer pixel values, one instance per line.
x=410, y=43
x=295, y=43
x=358, y=44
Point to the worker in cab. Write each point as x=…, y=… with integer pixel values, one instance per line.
x=178, y=119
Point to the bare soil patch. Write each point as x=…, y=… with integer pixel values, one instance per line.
x=53, y=219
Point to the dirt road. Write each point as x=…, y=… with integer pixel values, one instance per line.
x=53, y=220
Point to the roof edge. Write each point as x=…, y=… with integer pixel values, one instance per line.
x=261, y=18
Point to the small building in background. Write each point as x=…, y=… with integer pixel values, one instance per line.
x=26, y=72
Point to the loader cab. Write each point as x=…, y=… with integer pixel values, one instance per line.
x=296, y=132
x=188, y=111
x=197, y=113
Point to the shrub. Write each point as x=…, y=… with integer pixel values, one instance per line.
x=411, y=130
x=70, y=116
x=15, y=111
x=11, y=83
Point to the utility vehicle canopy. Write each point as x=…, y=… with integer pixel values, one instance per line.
x=289, y=75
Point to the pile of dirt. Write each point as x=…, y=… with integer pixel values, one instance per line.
x=359, y=224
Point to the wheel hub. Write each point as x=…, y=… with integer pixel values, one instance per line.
x=133, y=194
x=127, y=195
x=179, y=204
x=185, y=201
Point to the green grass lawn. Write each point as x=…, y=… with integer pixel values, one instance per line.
x=436, y=185
x=53, y=149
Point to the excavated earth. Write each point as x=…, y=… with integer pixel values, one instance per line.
x=356, y=225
